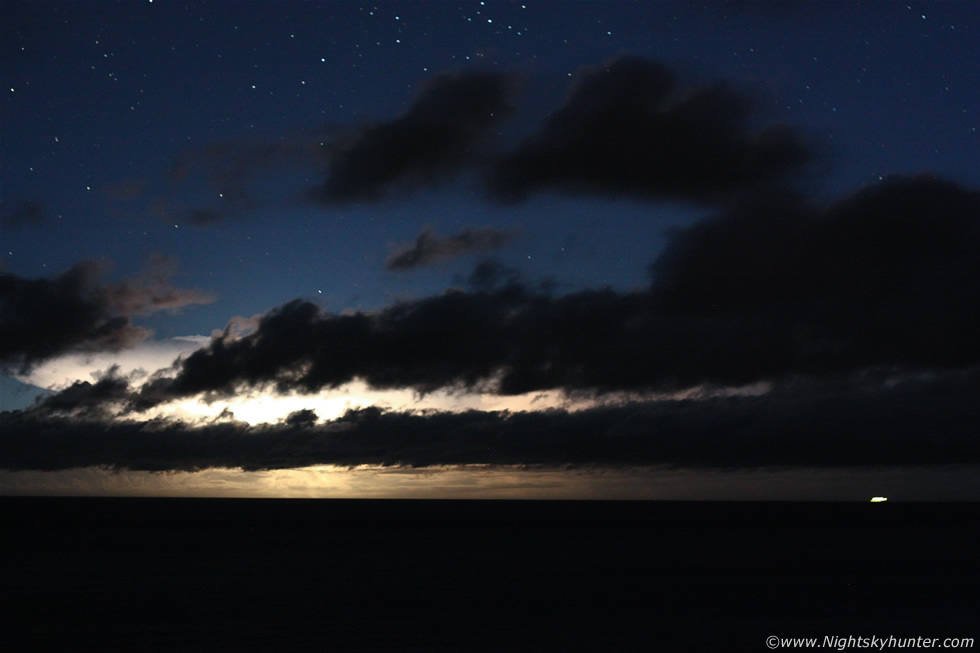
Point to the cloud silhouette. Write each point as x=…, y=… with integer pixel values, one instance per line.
x=626, y=129
x=74, y=311
x=87, y=399
x=428, y=248
x=427, y=143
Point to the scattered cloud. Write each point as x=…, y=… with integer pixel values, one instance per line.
x=626, y=128
x=428, y=248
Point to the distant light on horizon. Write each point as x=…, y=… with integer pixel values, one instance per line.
x=879, y=499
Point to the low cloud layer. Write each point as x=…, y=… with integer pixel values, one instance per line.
x=429, y=248
x=627, y=129
x=915, y=422
x=884, y=279
x=76, y=312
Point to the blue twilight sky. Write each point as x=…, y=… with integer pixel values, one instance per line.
x=102, y=99
x=779, y=196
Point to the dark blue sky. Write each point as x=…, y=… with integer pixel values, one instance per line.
x=102, y=99
x=199, y=161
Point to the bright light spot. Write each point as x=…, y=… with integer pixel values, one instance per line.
x=259, y=407
x=879, y=499
x=138, y=362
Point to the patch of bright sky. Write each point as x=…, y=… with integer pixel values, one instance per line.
x=259, y=406
x=136, y=364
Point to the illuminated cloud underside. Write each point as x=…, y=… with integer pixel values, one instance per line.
x=259, y=406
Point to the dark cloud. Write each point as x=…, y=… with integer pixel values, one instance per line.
x=886, y=279
x=489, y=274
x=888, y=276
x=42, y=318
x=431, y=140
x=915, y=422
x=429, y=248
x=626, y=129
x=304, y=417
x=87, y=399
x=74, y=311
x=22, y=214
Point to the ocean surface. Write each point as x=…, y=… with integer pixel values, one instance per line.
x=111, y=574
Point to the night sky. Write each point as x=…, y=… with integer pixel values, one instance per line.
x=541, y=249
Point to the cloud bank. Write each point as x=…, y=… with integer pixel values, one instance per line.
x=826, y=426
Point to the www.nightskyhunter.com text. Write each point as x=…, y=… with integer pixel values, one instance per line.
x=874, y=642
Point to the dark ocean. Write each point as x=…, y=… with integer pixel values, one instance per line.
x=83, y=574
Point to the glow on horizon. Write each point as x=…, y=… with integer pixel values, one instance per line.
x=949, y=483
